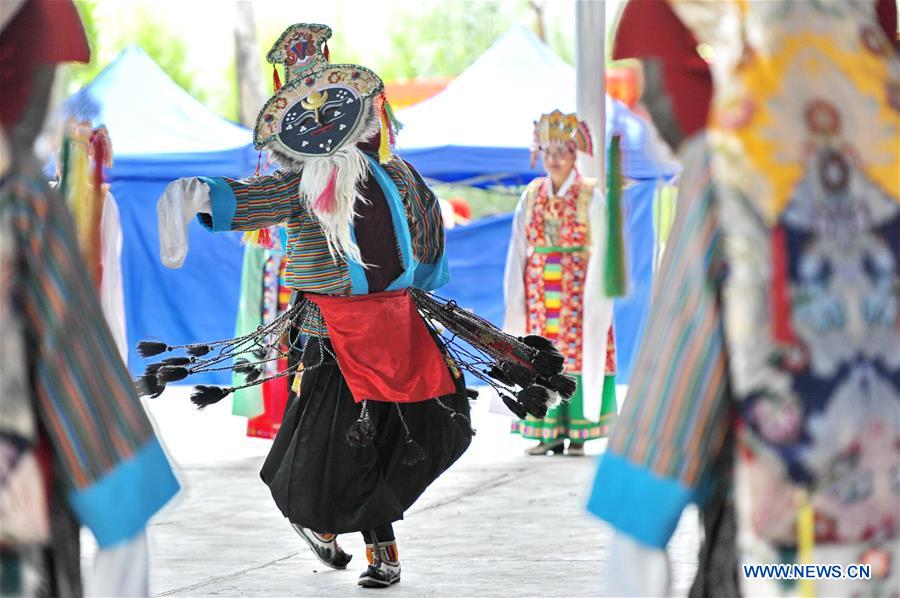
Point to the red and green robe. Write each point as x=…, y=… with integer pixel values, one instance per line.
x=548, y=291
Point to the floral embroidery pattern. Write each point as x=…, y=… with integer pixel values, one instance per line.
x=558, y=234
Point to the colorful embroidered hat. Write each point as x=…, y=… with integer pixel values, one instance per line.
x=302, y=48
x=560, y=129
x=321, y=108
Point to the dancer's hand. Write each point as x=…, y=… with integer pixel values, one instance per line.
x=182, y=200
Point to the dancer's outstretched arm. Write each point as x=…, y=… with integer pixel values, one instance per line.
x=222, y=204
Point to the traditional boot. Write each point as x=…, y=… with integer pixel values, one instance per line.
x=554, y=446
x=325, y=547
x=384, y=566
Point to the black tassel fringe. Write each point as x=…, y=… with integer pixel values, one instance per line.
x=413, y=453
x=497, y=374
x=176, y=361
x=198, y=350
x=171, y=373
x=561, y=383
x=536, y=400
x=513, y=405
x=204, y=396
x=539, y=342
x=518, y=374
x=148, y=386
x=250, y=371
x=153, y=368
x=361, y=432
x=150, y=348
x=242, y=366
x=549, y=363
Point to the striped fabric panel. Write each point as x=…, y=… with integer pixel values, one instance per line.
x=275, y=199
x=426, y=225
x=552, y=295
x=265, y=200
x=86, y=399
x=673, y=417
x=310, y=264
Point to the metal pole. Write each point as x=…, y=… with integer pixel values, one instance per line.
x=590, y=80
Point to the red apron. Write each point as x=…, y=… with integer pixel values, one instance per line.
x=383, y=348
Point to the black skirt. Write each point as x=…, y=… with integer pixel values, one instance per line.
x=321, y=481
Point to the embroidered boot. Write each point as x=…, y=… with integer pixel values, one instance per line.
x=325, y=547
x=384, y=566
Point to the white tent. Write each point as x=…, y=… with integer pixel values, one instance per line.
x=494, y=101
x=479, y=129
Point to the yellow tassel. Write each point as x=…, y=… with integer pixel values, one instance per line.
x=251, y=237
x=806, y=540
x=384, y=147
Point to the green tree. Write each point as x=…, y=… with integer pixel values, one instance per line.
x=149, y=32
x=168, y=51
x=562, y=42
x=444, y=38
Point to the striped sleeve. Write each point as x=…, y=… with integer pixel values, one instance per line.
x=426, y=225
x=252, y=204
x=673, y=421
x=117, y=473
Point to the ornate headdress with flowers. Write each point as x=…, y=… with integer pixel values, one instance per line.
x=560, y=129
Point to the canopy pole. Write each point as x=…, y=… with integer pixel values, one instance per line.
x=590, y=81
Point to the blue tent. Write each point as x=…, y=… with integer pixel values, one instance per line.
x=477, y=131
x=159, y=133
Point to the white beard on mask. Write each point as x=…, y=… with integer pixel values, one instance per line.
x=352, y=167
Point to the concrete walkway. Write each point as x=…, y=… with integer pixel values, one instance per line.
x=497, y=524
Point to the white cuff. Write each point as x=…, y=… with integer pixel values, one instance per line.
x=182, y=200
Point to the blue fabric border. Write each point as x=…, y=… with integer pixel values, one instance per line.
x=118, y=506
x=224, y=204
x=430, y=277
x=359, y=284
x=636, y=501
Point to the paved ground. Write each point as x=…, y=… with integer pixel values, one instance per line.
x=497, y=524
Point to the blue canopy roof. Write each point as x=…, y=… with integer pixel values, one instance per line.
x=479, y=129
x=159, y=133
